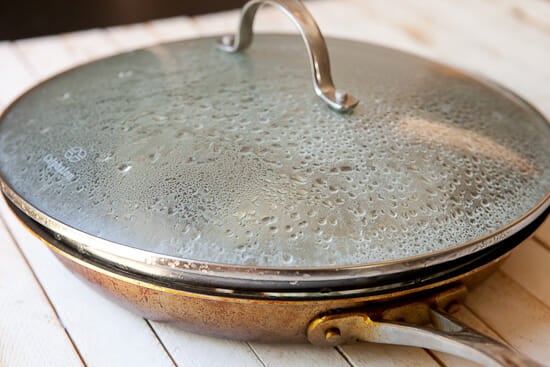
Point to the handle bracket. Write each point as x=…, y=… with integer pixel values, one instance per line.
x=447, y=334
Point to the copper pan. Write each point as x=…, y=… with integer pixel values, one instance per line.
x=415, y=316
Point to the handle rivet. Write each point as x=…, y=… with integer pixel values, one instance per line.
x=340, y=96
x=332, y=333
x=228, y=40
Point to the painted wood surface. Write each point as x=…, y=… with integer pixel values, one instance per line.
x=30, y=330
x=49, y=317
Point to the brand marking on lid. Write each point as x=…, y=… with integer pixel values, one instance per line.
x=75, y=154
x=55, y=164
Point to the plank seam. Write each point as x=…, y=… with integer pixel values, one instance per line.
x=26, y=64
x=196, y=27
x=108, y=36
x=503, y=339
x=541, y=242
x=42, y=289
x=150, y=28
x=344, y=355
x=116, y=43
x=512, y=280
x=71, y=49
x=161, y=342
x=256, y=354
x=486, y=325
x=435, y=357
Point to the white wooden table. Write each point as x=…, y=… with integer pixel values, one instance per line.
x=50, y=318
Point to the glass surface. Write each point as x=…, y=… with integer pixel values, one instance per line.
x=184, y=150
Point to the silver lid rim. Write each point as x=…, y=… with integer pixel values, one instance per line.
x=185, y=270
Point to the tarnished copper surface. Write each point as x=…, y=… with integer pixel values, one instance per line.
x=237, y=318
x=247, y=318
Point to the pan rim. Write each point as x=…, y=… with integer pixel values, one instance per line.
x=289, y=295
x=218, y=276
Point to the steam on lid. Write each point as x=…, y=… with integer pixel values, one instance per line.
x=194, y=153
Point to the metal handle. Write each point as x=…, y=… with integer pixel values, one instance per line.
x=315, y=44
x=448, y=335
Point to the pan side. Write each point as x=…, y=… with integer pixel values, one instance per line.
x=250, y=315
x=240, y=318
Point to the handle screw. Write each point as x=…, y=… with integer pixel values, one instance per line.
x=332, y=334
x=228, y=40
x=340, y=96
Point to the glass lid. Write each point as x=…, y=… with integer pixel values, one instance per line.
x=184, y=150
x=187, y=151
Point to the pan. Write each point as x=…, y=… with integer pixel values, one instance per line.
x=199, y=183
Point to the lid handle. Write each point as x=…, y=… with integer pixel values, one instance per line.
x=315, y=44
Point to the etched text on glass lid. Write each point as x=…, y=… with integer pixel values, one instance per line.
x=183, y=150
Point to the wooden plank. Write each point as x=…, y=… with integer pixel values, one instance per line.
x=400, y=26
x=267, y=19
x=512, y=49
x=518, y=317
x=364, y=355
x=44, y=56
x=30, y=332
x=465, y=316
x=460, y=39
x=193, y=350
x=298, y=355
x=172, y=29
x=15, y=79
x=457, y=26
x=448, y=32
x=217, y=23
x=357, y=24
x=129, y=340
x=528, y=266
x=533, y=14
x=435, y=30
x=104, y=333
x=88, y=45
x=130, y=37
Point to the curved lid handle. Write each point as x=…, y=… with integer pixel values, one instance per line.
x=315, y=44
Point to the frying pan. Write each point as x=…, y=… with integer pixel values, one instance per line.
x=436, y=193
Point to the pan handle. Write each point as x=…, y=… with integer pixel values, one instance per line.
x=314, y=41
x=448, y=335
